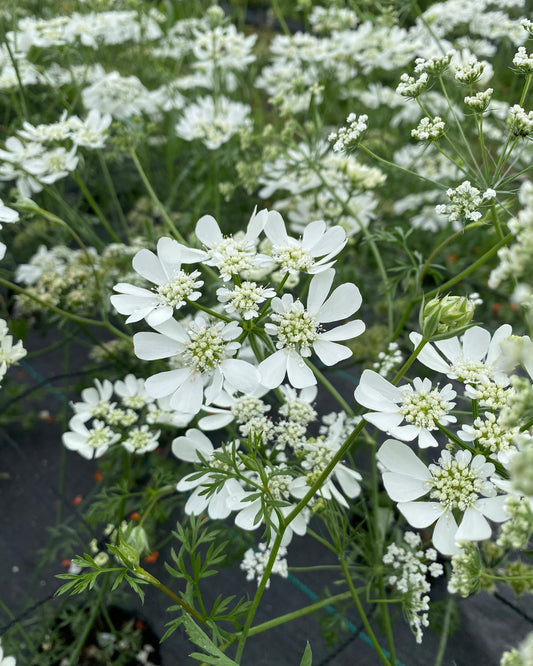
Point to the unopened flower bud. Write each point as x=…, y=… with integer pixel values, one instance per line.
x=445, y=317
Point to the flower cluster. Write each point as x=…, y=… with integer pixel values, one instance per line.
x=465, y=199
x=254, y=562
x=410, y=565
x=347, y=138
x=9, y=353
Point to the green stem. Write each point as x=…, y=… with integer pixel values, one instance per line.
x=68, y=315
x=212, y=313
x=167, y=490
x=329, y=386
x=280, y=17
x=364, y=618
x=445, y=631
x=400, y=168
x=144, y=575
x=155, y=199
x=96, y=208
x=113, y=193
x=82, y=637
x=288, y=617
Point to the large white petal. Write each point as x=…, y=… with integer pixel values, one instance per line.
x=444, y=535
x=493, y=508
x=402, y=488
x=189, y=396
x=218, y=506
x=165, y=383
x=298, y=373
x=331, y=243
x=169, y=253
x=187, y=447
x=386, y=421
x=494, y=351
x=421, y=514
x=275, y=229
x=476, y=342
x=428, y=356
x=240, y=374
x=331, y=353
x=273, y=369
x=343, y=302
x=151, y=346
x=149, y=267
x=398, y=457
x=313, y=233
x=319, y=289
x=159, y=315
x=245, y=519
x=207, y=231
x=215, y=421
x=346, y=331
x=373, y=389
x=473, y=527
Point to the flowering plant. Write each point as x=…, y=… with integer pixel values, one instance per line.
x=247, y=269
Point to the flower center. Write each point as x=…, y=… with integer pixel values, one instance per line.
x=248, y=407
x=232, y=256
x=246, y=297
x=279, y=486
x=470, y=372
x=139, y=439
x=423, y=409
x=175, y=292
x=206, y=348
x=491, y=435
x=296, y=328
x=292, y=258
x=454, y=484
x=99, y=437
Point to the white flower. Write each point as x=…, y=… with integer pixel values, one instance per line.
x=244, y=299
x=420, y=406
x=6, y=215
x=141, y=440
x=91, y=132
x=89, y=443
x=205, y=350
x=228, y=407
x=95, y=401
x=233, y=255
x=255, y=561
x=214, y=124
x=476, y=356
x=52, y=165
x=174, y=286
x=294, y=255
x=132, y=392
x=160, y=413
x=217, y=504
x=298, y=331
x=457, y=483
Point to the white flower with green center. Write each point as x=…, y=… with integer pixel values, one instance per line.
x=244, y=299
x=96, y=401
x=132, y=392
x=421, y=407
x=316, y=454
x=141, y=440
x=204, y=349
x=313, y=253
x=299, y=331
x=89, y=442
x=456, y=485
x=233, y=255
x=228, y=407
x=473, y=359
x=492, y=436
x=173, y=286
x=298, y=407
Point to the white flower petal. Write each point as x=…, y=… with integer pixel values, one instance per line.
x=473, y=527
x=493, y=508
x=189, y=396
x=398, y=457
x=151, y=346
x=331, y=353
x=444, y=535
x=273, y=369
x=343, y=302
x=402, y=488
x=298, y=373
x=149, y=267
x=165, y=383
x=421, y=514
x=207, y=231
x=240, y=374
x=319, y=289
x=346, y=331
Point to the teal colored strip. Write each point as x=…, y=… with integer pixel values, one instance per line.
x=314, y=597
x=37, y=375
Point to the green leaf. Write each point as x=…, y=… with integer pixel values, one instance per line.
x=212, y=655
x=307, y=658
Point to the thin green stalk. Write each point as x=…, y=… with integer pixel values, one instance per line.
x=144, y=575
x=96, y=208
x=280, y=17
x=295, y=615
x=329, y=386
x=212, y=313
x=155, y=199
x=362, y=614
x=113, y=193
x=525, y=89
x=167, y=490
x=445, y=631
x=461, y=132
x=400, y=168
x=68, y=315
x=259, y=593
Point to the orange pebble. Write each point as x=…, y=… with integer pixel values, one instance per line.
x=98, y=476
x=135, y=516
x=153, y=557
x=496, y=308
x=139, y=624
x=77, y=500
x=65, y=564
x=452, y=257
